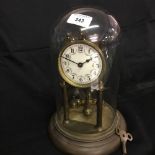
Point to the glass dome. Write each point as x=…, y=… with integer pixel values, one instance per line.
x=84, y=49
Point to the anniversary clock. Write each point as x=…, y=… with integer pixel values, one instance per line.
x=87, y=120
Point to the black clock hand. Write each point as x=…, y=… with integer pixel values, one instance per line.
x=80, y=64
x=70, y=60
x=87, y=61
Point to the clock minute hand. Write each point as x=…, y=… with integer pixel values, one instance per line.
x=69, y=60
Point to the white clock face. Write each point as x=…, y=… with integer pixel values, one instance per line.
x=80, y=64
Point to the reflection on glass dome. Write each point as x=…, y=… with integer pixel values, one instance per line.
x=102, y=29
x=93, y=37
x=90, y=27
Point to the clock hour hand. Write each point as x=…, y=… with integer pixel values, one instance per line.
x=87, y=61
x=70, y=60
x=80, y=64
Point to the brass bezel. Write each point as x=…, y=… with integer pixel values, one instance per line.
x=93, y=45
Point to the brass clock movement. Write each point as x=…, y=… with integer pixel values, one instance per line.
x=87, y=120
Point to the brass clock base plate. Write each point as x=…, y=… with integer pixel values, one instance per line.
x=102, y=146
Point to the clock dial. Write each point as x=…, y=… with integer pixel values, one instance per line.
x=80, y=64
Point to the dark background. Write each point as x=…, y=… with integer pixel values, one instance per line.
x=26, y=88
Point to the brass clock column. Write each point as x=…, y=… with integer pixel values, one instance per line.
x=87, y=121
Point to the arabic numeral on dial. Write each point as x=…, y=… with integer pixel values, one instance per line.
x=80, y=48
x=96, y=56
x=65, y=63
x=97, y=65
x=81, y=79
x=67, y=70
x=67, y=55
x=72, y=51
x=88, y=77
x=94, y=72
